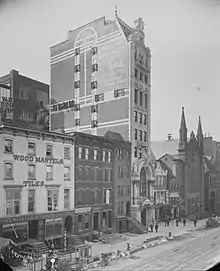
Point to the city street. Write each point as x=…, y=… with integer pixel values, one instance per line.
x=197, y=252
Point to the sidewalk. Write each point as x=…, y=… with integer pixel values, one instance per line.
x=137, y=240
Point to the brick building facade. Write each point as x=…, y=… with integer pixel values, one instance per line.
x=24, y=101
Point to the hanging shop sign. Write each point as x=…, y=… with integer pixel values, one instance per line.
x=37, y=159
x=63, y=106
x=33, y=183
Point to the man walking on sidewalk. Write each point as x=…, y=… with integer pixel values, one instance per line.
x=184, y=222
x=195, y=222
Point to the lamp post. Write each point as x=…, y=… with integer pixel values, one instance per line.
x=65, y=240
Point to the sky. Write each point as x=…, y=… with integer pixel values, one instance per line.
x=183, y=35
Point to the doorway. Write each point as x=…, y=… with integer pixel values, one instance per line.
x=109, y=219
x=33, y=229
x=128, y=208
x=143, y=217
x=120, y=226
x=96, y=221
x=69, y=224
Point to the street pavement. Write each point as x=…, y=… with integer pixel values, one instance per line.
x=137, y=240
x=199, y=251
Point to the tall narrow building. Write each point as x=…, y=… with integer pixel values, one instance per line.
x=100, y=81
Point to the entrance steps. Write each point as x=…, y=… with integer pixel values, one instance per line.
x=113, y=238
x=136, y=227
x=74, y=241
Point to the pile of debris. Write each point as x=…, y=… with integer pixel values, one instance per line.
x=212, y=222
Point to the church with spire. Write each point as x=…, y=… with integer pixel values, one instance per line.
x=190, y=165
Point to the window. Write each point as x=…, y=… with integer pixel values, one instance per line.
x=140, y=117
x=140, y=135
x=49, y=173
x=52, y=200
x=145, y=100
x=135, y=151
x=109, y=175
x=107, y=196
x=77, y=51
x=135, y=116
x=145, y=119
x=8, y=170
x=145, y=136
x=66, y=174
x=95, y=154
x=8, y=146
x=135, y=73
x=141, y=76
x=79, y=218
x=136, y=95
x=13, y=202
x=135, y=134
x=86, y=221
x=77, y=122
x=103, y=156
x=145, y=79
x=140, y=153
x=80, y=151
x=96, y=173
x=95, y=194
x=105, y=175
x=31, y=200
x=141, y=97
x=94, y=85
x=49, y=151
x=109, y=156
x=86, y=153
x=66, y=153
x=66, y=199
x=31, y=171
x=31, y=148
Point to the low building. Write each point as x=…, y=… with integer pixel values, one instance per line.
x=36, y=184
x=122, y=180
x=24, y=102
x=94, y=185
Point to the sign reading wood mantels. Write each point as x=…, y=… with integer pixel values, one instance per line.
x=37, y=159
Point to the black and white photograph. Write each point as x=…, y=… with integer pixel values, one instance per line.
x=109, y=135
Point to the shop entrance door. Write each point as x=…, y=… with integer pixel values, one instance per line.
x=33, y=229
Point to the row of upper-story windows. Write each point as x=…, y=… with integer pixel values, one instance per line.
x=123, y=190
x=142, y=99
x=14, y=199
x=94, y=174
x=93, y=154
x=31, y=175
x=123, y=171
x=8, y=148
x=142, y=135
x=140, y=117
x=95, y=196
x=141, y=76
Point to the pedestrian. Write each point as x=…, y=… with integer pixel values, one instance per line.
x=151, y=227
x=195, y=222
x=156, y=227
x=165, y=222
x=128, y=247
x=177, y=222
x=184, y=222
x=168, y=222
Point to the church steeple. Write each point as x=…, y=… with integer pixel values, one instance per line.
x=182, y=132
x=199, y=135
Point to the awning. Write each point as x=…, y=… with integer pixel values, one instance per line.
x=5, y=241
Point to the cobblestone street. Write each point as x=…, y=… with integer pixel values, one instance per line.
x=197, y=252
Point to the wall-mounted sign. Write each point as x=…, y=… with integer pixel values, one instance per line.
x=37, y=159
x=63, y=105
x=33, y=183
x=82, y=210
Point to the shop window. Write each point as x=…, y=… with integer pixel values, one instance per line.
x=66, y=153
x=8, y=146
x=49, y=173
x=8, y=171
x=52, y=200
x=49, y=151
x=31, y=201
x=13, y=202
x=31, y=172
x=66, y=173
x=66, y=199
x=31, y=148
x=17, y=233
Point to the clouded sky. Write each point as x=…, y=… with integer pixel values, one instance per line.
x=184, y=36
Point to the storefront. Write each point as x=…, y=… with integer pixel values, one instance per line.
x=121, y=224
x=34, y=227
x=83, y=222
